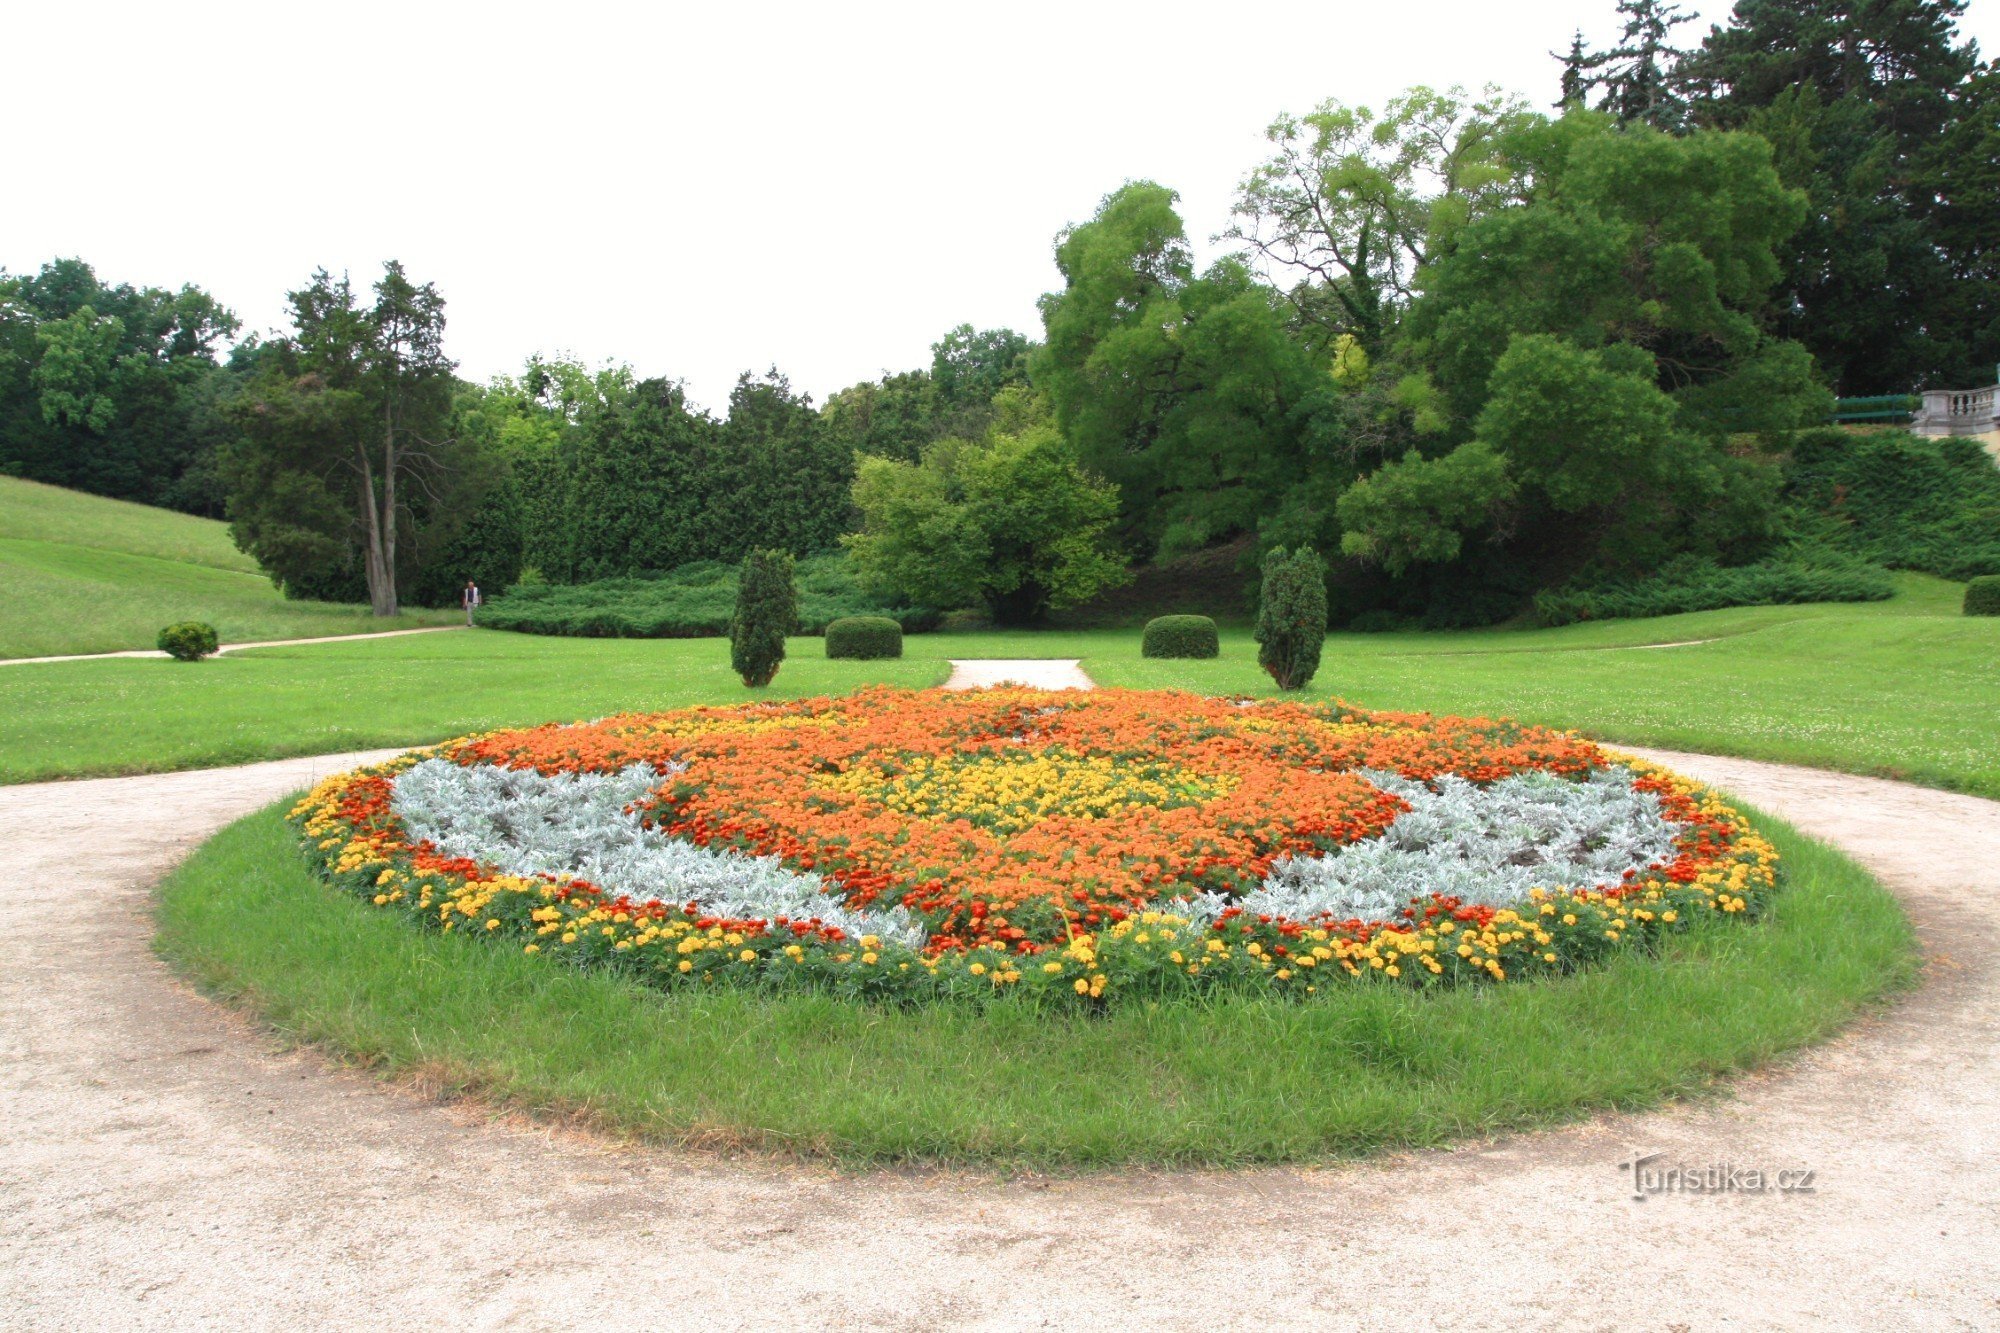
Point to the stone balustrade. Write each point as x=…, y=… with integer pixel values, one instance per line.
x=1959, y=412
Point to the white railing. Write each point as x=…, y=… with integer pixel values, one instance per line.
x=1958, y=411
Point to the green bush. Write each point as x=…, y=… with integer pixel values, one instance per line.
x=1692, y=584
x=692, y=602
x=864, y=637
x=1901, y=500
x=189, y=641
x=1291, y=616
x=767, y=609
x=1180, y=636
x=1982, y=596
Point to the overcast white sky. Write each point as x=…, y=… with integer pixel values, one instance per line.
x=694, y=189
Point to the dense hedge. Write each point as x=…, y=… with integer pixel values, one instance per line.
x=694, y=601
x=1690, y=584
x=1902, y=500
x=1180, y=636
x=1982, y=596
x=864, y=637
x=189, y=640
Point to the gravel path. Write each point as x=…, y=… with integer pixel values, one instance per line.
x=164, y=1164
x=234, y=647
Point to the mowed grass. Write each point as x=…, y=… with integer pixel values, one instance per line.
x=1221, y=1084
x=82, y=574
x=1906, y=688
x=71, y=719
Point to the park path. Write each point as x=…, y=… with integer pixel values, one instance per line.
x=164, y=1163
x=1038, y=673
x=232, y=647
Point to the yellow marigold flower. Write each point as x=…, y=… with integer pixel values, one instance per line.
x=1082, y=986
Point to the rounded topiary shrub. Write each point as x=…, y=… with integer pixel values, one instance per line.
x=1982, y=596
x=1291, y=616
x=189, y=641
x=767, y=609
x=1180, y=636
x=864, y=637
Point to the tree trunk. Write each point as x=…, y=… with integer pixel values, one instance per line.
x=378, y=560
x=388, y=524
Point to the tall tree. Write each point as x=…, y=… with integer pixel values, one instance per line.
x=111, y=388
x=1602, y=351
x=894, y=417
x=1859, y=96
x=1640, y=78
x=1179, y=389
x=360, y=391
x=1350, y=205
x=970, y=365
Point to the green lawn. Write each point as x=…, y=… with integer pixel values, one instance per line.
x=1907, y=687
x=83, y=574
x=1230, y=1082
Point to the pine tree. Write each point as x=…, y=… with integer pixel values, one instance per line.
x=1575, y=84
x=1640, y=76
x=1870, y=107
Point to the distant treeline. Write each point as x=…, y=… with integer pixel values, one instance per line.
x=1487, y=358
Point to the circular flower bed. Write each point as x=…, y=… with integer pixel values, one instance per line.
x=900, y=843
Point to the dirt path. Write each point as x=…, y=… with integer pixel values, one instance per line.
x=164, y=1165
x=234, y=647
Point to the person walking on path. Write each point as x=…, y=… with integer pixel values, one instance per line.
x=470, y=597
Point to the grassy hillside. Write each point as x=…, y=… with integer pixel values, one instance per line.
x=83, y=574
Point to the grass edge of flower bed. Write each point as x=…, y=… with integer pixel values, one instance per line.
x=1229, y=1082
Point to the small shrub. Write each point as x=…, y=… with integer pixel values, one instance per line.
x=767, y=609
x=1180, y=636
x=864, y=637
x=1982, y=596
x=189, y=641
x=1291, y=616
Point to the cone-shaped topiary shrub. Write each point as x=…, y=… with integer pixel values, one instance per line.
x=767, y=609
x=1291, y=616
x=864, y=637
x=1179, y=636
x=189, y=641
x=1982, y=596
